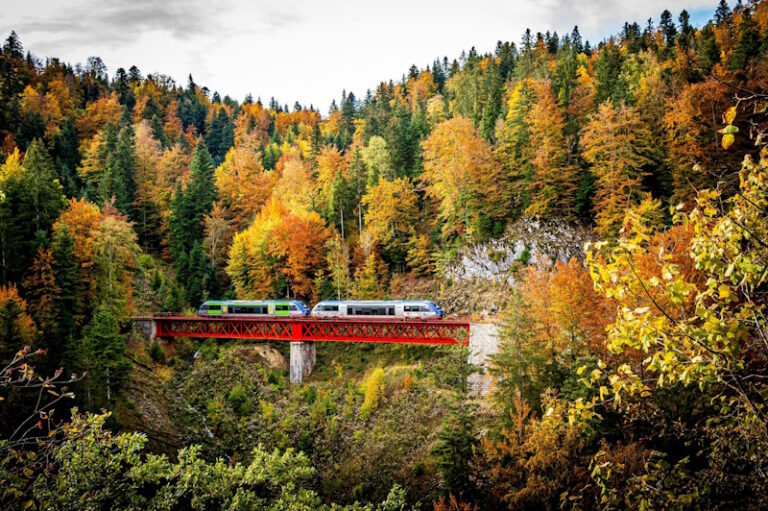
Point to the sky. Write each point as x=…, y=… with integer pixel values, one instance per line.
x=303, y=50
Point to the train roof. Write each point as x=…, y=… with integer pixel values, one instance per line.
x=375, y=302
x=252, y=301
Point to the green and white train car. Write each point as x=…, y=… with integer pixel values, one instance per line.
x=258, y=308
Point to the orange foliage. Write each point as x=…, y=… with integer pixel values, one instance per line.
x=692, y=119
x=83, y=220
x=616, y=144
x=172, y=129
x=555, y=176
x=462, y=177
x=251, y=123
x=244, y=186
x=23, y=324
x=103, y=111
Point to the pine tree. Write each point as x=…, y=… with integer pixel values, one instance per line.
x=66, y=154
x=748, y=45
x=668, y=29
x=31, y=200
x=42, y=187
x=101, y=353
x=69, y=308
x=200, y=277
x=189, y=206
x=120, y=174
x=723, y=13
x=157, y=130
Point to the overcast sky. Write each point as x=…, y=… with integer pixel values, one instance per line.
x=305, y=50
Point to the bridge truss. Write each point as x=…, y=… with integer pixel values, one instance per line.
x=380, y=330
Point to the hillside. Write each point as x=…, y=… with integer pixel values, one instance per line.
x=606, y=202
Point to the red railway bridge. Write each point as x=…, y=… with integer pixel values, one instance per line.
x=302, y=332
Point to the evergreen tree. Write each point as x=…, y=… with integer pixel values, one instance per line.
x=457, y=439
x=723, y=13
x=101, y=353
x=707, y=49
x=122, y=86
x=30, y=202
x=69, y=308
x=157, y=130
x=668, y=29
x=492, y=87
x=190, y=204
x=748, y=45
x=42, y=187
x=66, y=155
x=121, y=172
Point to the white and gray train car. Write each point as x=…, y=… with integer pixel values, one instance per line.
x=422, y=309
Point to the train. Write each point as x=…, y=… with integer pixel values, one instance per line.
x=422, y=309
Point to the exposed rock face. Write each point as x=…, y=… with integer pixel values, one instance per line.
x=479, y=281
x=527, y=241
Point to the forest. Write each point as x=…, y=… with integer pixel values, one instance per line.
x=633, y=375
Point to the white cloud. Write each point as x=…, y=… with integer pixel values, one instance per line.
x=302, y=50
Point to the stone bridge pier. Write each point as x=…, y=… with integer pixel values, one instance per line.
x=483, y=343
x=303, y=359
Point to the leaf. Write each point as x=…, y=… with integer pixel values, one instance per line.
x=727, y=141
x=730, y=115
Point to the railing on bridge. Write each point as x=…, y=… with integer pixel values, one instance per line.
x=381, y=330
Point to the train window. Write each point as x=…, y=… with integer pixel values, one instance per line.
x=391, y=311
x=204, y=307
x=409, y=308
x=263, y=309
x=292, y=308
x=329, y=308
x=281, y=307
x=214, y=307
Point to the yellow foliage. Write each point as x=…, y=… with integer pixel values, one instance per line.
x=374, y=388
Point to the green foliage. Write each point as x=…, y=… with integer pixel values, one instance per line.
x=156, y=353
x=100, y=354
x=190, y=204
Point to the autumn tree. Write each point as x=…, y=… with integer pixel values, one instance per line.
x=390, y=212
x=114, y=259
x=513, y=148
x=17, y=328
x=555, y=175
x=279, y=253
x=295, y=188
x=244, y=186
x=32, y=198
x=691, y=123
x=462, y=177
x=616, y=145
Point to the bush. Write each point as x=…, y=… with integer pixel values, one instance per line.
x=374, y=386
x=237, y=397
x=156, y=353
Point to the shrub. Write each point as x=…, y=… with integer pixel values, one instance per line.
x=374, y=386
x=156, y=353
x=237, y=397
